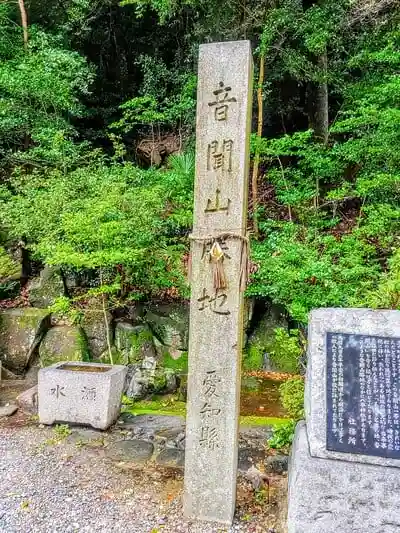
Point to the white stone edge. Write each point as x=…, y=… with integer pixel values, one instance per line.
x=114, y=369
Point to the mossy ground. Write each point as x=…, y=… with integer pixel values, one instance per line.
x=168, y=405
x=180, y=366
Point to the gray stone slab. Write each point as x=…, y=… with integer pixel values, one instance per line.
x=171, y=458
x=353, y=321
x=330, y=496
x=138, y=451
x=80, y=397
x=224, y=101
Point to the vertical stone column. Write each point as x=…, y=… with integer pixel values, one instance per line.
x=219, y=248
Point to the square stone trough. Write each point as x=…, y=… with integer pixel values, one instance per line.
x=81, y=393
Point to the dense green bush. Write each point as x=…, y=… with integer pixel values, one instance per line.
x=292, y=397
x=116, y=218
x=328, y=188
x=282, y=436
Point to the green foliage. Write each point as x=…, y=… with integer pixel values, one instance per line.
x=329, y=212
x=286, y=349
x=253, y=357
x=159, y=109
x=8, y=267
x=292, y=397
x=335, y=240
x=116, y=219
x=178, y=365
x=303, y=268
x=282, y=436
x=39, y=89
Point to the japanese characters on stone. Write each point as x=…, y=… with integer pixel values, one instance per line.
x=210, y=409
x=363, y=394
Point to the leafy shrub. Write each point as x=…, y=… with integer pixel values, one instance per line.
x=285, y=350
x=116, y=220
x=292, y=397
x=283, y=435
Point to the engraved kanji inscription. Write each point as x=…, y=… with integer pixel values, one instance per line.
x=209, y=438
x=215, y=303
x=222, y=101
x=57, y=391
x=210, y=384
x=363, y=393
x=219, y=155
x=216, y=206
x=209, y=410
x=88, y=393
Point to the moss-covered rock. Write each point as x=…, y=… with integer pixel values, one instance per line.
x=134, y=343
x=63, y=343
x=44, y=290
x=170, y=326
x=97, y=327
x=21, y=331
x=257, y=354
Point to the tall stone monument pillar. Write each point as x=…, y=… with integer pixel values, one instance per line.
x=219, y=268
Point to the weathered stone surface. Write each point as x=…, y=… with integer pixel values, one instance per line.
x=141, y=378
x=134, y=343
x=248, y=457
x=6, y=374
x=81, y=397
x=8, y=410
x=149, y=425
x=277, y=463
x=216, y=315
x=28, y=400
x=20, y=333
x=63, y=343
x=138, y=451
x=330, y=496
x=97, y=328
x=44, y=290
x=170, y=326
x=356, y=321
x=171, y=457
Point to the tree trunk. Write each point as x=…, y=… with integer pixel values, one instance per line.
x=318, y=109
x=254, y=178
x=24, y=22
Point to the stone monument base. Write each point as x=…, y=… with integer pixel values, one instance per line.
x=331, y=496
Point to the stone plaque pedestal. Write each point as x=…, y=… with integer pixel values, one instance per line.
x=331, y=496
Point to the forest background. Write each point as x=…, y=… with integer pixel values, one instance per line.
x=97, y=116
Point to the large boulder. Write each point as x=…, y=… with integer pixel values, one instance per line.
x=146, y=378
x=141, y=378
x=97, y=327
x=170, y=326
x=63, y=343
x=134, y=343
x=44, y=290
x=21, y=331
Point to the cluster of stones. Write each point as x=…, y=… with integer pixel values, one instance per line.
x=150, y=343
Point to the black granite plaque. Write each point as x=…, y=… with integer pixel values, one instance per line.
x=363, y=394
